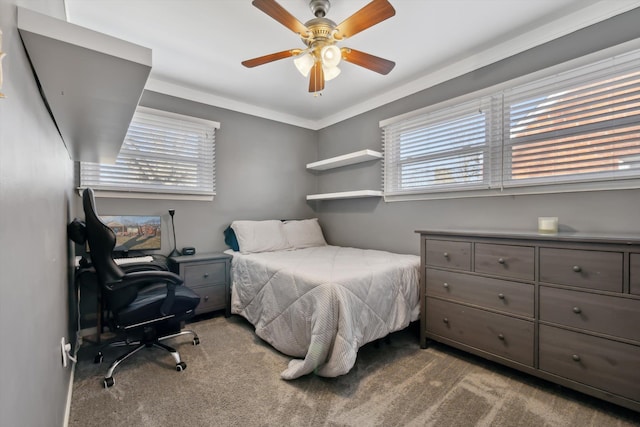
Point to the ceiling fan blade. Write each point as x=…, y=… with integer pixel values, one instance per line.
x=373, y=63
x=370, y=15
x=250, y=63
x=316, y=78
x=280, y=14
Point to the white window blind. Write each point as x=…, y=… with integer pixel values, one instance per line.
x=582, y=125
x=439, y=151
x=579, y=129
x=162, y=154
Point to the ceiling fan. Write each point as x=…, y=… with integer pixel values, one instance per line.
x=321, y=57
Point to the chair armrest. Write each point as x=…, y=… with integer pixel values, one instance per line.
x=138, y=278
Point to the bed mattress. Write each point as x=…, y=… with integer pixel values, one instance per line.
x=321, y=304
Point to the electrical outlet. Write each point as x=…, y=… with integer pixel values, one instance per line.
x=65, y=350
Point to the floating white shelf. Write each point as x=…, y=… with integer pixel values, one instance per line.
x=91, y=82
x=344, y=160
x=345, y=195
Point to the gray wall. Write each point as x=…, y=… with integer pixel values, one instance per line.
x=260, y=174
x=372, y=223
x=36, y=178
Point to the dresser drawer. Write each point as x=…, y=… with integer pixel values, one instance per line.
x=450, y=254
x=212, y=297
x=608, y=365
x=511, y=297
x=197, y=274
x=634, y=276
x=587, y=269
x=501, y=335
x=516, y=262
x=616, y=316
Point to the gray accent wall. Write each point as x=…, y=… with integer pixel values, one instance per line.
x=36, y=179
x=373, y=223
x=260, y=174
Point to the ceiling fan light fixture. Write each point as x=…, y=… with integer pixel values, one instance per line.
x=304, y=63
x=330, y=73
x=330, y=55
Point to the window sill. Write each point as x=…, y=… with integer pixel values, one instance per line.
x=109, y=194
x=630, y=184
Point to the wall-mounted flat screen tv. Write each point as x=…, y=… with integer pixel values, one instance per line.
x=135, y=232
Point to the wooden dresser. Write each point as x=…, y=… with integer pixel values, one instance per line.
x=564, y=307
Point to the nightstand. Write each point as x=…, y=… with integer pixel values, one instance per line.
x=208, y=276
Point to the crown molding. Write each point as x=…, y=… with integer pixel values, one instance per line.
x=577, y=20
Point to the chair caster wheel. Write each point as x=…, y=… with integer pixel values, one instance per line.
x=181, y=366
x=108, y=382
x=99, y=357
x=196, y=341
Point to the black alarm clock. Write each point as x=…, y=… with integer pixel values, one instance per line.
x=189, y=250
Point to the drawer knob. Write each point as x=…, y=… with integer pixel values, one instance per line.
x=445, y=320
x=577, y=310
x=206, y=297
x=446, y=254
x=205, y=275
x=445, y=285
x=501, y=337
x=577, y=268
x=501, y=296
x=576, y=358
x=500, y=260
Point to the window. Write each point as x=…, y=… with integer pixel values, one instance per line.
x=439, y=151
x=576, y=130
x=163, y=155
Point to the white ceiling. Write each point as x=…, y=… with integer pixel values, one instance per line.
x=198, y=45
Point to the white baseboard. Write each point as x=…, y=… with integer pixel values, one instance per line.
x=67, y=410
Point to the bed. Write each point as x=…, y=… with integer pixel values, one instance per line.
x=316, y=302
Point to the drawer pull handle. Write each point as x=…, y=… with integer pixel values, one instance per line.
x=576, y=358
x=577, y=310
x=501, y=296
x=500, y=260
x=445, y=285
x=577, y=268
x=445, y=320
x=501, y=337
x=446, y=254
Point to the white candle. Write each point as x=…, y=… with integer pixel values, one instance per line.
x=548, y=224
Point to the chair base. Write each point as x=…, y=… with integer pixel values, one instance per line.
x=139, y=345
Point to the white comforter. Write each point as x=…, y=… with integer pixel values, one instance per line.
x=321, y=304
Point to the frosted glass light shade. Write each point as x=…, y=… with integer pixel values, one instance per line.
x=330, y=73
x=330, y=55
x=304, y=63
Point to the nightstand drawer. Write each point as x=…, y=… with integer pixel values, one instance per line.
x=634, y=278
x=609, y=315
x=501, y=335
x=204, y=273
x=516, y=262
x=211, y=298
x=598, y=362
x=587, y=269
x=511, y=297
x=449, y=254
x=208, y=275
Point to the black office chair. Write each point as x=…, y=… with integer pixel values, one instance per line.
x=147, y=306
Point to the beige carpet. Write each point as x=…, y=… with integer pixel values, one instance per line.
x=233, y=379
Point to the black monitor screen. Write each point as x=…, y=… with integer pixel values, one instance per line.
x=135, y=232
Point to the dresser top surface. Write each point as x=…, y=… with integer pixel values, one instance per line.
x=568, y=236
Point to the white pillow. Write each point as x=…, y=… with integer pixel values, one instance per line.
x=304, y=233
x=260, y=236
